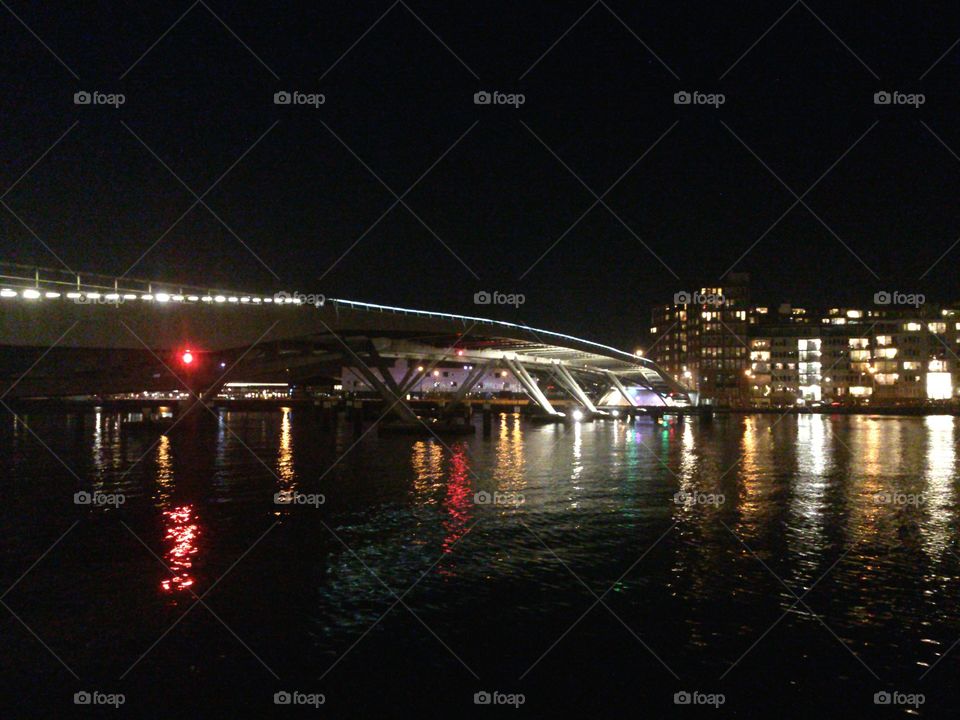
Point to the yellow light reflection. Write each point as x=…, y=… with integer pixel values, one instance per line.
x=938, y=492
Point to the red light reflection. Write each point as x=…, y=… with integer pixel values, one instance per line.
x=182, y=533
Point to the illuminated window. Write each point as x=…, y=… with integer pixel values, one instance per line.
x=912, y=326
x=939, y=386
x=937, y=327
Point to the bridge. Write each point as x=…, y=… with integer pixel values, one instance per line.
x=63, y=334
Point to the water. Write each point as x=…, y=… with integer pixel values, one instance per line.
x=401, y=594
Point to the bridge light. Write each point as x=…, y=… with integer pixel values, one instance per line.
x=232, y=299
x=207, y=298
x=7, y=293
x=112, y=296
x=420, y=368
x=70, y=295
x=459, y=352
x=436, y=373
x=147, y=297
x=31, y=294
x=129, y=296
x=578, y=415
x=220, y=298
x=193, y=298
x=52, y=295
x=187, y=357
x=163, y=297
x=93, y=296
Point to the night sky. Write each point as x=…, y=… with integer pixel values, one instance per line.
x=511, y=181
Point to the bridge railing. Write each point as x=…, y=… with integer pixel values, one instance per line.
x=30, y=276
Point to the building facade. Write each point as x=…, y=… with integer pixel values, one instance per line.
x=742, y=355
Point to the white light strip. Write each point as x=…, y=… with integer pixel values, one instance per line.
x=634, y=359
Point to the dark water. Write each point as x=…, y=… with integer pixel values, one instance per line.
x=401, y=596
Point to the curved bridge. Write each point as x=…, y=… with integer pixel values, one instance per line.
x=67, y=335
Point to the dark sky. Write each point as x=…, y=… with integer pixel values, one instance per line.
x=399, y=99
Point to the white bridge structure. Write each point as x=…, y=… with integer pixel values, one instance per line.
x=66, y=334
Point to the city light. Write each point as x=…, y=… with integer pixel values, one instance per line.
x=187, y=357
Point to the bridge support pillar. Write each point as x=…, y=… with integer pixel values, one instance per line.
x=394, y=401
x=530, y=386
x=619, y=386
x=468, y=384
x=569, y=382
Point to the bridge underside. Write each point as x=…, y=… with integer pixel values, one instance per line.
x=58, y=348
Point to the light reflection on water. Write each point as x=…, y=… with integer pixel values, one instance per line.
x=799, y=492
